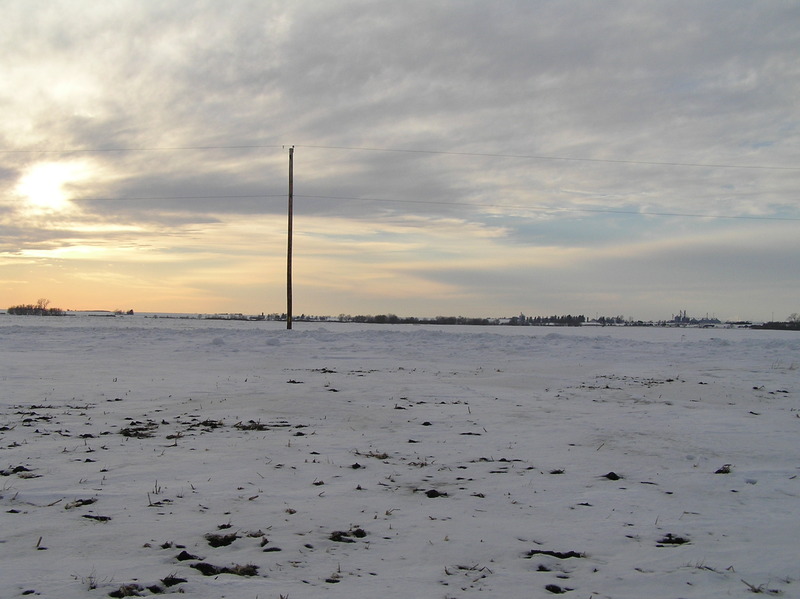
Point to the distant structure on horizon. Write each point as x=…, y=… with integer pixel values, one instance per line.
x=682, y=318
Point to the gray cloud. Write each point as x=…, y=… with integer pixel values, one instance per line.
x=671, y=82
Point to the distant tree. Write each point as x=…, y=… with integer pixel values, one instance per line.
x=40, y=308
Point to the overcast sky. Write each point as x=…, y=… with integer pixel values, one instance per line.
x=478, y=158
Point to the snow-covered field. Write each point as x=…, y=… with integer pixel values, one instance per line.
x=367, y=461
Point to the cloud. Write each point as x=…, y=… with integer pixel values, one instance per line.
x=195, y=104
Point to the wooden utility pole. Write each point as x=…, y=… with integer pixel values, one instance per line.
x=289, y=251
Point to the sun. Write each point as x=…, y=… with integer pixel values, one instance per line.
x=42, y=186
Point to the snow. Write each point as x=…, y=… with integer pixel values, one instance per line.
x=284, y=438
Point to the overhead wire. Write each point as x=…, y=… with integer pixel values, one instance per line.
x=205, y=197
x=566, y=158
x=151, y=149
x=409, y=201
x=398, y=150
x=554, y=210
x=541, y=209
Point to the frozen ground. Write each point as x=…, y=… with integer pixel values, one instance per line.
x=357, y=462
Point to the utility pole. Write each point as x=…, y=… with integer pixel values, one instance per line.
x=289, y=250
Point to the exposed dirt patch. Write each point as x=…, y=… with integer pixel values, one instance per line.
x=218, y=540
x=207, y=569
x=556, y=554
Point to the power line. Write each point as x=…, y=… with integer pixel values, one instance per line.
x=565, y=158
x=542, y=209
x=152, y=149
x=441, y=203
x=404, y=151
x=210, y=197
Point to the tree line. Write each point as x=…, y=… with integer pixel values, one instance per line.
x=394, y=319
x=40, y=308
x=521, y=320
x=567, y=320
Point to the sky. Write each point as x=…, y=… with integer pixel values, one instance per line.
x=461, y=157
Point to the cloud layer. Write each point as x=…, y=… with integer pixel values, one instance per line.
x=457, y=157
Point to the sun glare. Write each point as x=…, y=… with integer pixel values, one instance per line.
x=42, y=186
